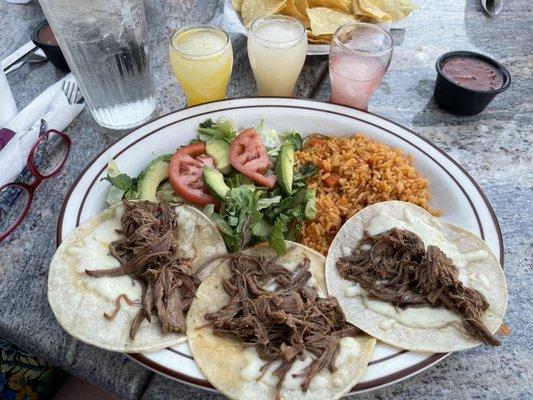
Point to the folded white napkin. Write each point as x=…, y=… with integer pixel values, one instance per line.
x=52, y=106
x=8, y=107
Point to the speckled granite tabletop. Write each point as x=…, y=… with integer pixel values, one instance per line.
x=494, y=147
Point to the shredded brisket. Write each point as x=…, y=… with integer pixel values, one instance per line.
x=395, y=267
x=285, y=323
x=118, y=305
x=148, y=253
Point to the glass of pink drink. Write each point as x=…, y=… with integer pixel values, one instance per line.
x=359, y=56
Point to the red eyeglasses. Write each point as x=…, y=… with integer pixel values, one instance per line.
x=46, y=159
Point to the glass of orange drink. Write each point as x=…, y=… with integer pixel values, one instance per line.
x=201, y=58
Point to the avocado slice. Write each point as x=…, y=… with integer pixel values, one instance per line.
x=215, y=182
x=285, y=166
x=155, y=173
x=219, y=150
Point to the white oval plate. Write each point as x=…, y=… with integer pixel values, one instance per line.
x=454, y=191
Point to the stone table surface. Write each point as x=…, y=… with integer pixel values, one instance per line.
x=494, y=147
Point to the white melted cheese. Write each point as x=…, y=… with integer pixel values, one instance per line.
x=323, y=379
x=387, y=324
x=253, y=363
x=349, y=349
x=419, y=317
x=428, y=230
x=337, y=381
x=353, y=291
x=252, y=371
x=271, y=286
x=346, y=251
x=313, y=282
x=476, y=255
x=483, y=281
x=92, y=252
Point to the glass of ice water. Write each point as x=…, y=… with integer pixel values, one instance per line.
x=105, y=45
x=359, y=56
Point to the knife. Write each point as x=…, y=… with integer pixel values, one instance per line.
x=17, y=55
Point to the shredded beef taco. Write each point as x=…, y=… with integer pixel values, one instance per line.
x=124, y=280
x=416, y=282
x=261, y=327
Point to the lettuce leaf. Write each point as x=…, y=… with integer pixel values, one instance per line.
x=122, y=185
x=276, y=240
x=165, y=192
x=295, y=138
x=120, y=181
x=266, y=202
x=224, y=130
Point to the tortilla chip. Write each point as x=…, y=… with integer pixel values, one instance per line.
x=325, y=21
x=237, y=5
x=340, y=5
x=322, y=39
x=358, y=11
x=387, y=10
x=302, y=6
x=292, y=10
x=254, y=9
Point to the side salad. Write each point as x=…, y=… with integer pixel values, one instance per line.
x=246, y=182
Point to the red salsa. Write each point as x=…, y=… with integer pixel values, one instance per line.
x=46, y=36
x=473, y=73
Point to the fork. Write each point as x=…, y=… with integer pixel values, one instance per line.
x=72, y=92
x=36, y=57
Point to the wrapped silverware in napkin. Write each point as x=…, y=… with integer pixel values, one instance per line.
x=8, y=107
x=23, y=130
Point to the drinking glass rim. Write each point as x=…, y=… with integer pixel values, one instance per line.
x=198, y=27
x=363, y=53
x=291, y=43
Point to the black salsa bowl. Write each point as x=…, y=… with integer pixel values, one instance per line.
x=53, y=52
x=459, y=100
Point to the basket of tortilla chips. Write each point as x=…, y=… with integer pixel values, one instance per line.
x=320, y=17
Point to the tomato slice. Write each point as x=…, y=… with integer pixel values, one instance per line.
x=186, y=176
x=249, y=156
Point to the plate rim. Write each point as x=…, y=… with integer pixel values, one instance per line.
x=366, y=386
